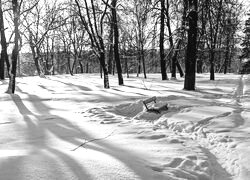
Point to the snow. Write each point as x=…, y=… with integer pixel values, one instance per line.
x=70, y=127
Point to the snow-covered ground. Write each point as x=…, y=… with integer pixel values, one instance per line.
x=69, y=127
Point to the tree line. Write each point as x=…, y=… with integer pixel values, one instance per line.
x=194, y=35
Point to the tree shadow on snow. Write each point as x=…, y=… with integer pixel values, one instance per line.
x=68, y=132
x=36, y=138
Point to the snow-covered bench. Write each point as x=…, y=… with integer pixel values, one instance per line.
x=149, y=104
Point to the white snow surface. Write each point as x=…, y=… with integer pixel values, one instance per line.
x=69, y=127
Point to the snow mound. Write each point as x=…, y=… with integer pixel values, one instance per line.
x=128, y=109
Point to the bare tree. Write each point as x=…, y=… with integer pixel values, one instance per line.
x=38, y=25
x=94, y=25
x=141, y=13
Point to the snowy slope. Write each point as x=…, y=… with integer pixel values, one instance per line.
x=69, y=127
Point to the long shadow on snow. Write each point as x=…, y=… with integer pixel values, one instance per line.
x=98, y=96
x=83, y=88
x=62, y=128
x=37, y=131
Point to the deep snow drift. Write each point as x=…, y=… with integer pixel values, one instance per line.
x=69, y=127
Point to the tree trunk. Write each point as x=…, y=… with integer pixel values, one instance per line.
x=190, y=60
x=212, y=77
x=105, y=70
x=4, y=54
x=12, y=81
x=111, y=49
x=35, y=55
x=174, y=60
x=162, y=56
x=143, y=61
x=81, y=67
x=179, y=68
x=214, y=40
x=138, y=63
x=116, y=43
x=69, y=66
x=199, y=65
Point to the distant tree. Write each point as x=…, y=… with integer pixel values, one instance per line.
x=190, y=59
x=38, y=24
x=76, y=34
x=245, y=54
x=214, y=17
x=230, y=31
x=246, y=41
x=141, y=13
x=175, y=47
x=203, y=18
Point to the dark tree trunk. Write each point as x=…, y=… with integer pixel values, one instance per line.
x=162, y=56
x=4, y=54
x=116, y=43
x=212, y=65
x=190, y=60
x=12, y=81
x=52, y=68
x=2, y=44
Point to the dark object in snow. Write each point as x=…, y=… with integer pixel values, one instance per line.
x=148, y=104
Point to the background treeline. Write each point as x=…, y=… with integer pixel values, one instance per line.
x=116, y=36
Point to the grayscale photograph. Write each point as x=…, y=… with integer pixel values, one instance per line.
x=124, y=89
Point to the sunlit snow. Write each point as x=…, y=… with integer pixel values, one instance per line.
x=69, y=127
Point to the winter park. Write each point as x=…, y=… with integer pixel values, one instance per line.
x=125, y=90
